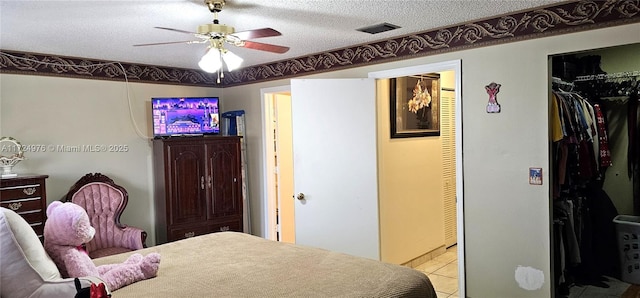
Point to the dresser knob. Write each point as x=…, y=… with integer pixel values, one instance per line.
x=189, y=234
x=15, y=206
x=29, y=191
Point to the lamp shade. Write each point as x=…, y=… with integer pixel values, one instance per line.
x=232, y=60
x=210, y=62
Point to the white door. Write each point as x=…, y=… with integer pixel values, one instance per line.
x=335, y=165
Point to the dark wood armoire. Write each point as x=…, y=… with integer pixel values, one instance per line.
x=198, y=186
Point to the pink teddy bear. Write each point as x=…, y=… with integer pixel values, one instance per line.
x=67, y=228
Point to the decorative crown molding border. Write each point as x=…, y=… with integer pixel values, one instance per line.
x=563, y=18
x=62, y=66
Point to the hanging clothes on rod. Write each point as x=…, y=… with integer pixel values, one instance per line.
x=581, y=209
x=579, y=133
x=621, y=88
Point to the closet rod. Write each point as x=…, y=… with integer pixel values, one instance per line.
x=559, y=81
x=561, y=84
x=617, y=75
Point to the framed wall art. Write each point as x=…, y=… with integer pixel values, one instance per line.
x=415, y=106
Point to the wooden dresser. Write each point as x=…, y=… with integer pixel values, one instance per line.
x=198, y=186
x=27, y=196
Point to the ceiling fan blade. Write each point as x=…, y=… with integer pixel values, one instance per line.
x=176, y=30
x=265, y=47
x=171, y=42
x=257, y=33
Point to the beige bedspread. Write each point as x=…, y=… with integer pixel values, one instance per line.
x=231, y=264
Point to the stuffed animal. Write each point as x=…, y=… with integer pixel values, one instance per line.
x=67, y=228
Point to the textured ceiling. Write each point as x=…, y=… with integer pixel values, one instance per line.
x=107, y=30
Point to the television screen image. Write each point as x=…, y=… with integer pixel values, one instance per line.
x=185, y=116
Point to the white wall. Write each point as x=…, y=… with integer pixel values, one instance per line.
x=55, y=111
x=410, y=189
x=506, y=219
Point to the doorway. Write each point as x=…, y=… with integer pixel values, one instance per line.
x=444, y=179
x=279, y=213
x=590, y=192
x=273, y=213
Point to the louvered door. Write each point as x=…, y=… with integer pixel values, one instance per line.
x=448, y=137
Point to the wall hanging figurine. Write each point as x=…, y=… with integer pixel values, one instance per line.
x=493, y=106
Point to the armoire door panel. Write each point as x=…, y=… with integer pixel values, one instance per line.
x=224, y=170
x=188, y=185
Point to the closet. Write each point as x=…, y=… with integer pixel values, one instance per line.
x=595, y=154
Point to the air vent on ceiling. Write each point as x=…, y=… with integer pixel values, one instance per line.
x=378, y=28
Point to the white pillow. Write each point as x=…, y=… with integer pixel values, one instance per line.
x=31, y=246
x=25, y=268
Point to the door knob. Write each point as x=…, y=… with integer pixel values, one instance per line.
x=300, y=196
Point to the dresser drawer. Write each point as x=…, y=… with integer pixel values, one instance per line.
x=20, y=192
x=23, y=205
x=27, y=196
x=32, y=216
x=235, y=226
x=188, y=232
x=183, y=233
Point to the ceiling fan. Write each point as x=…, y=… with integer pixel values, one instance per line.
x=217, y=35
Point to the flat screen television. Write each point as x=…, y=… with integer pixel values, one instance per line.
x=185, y=116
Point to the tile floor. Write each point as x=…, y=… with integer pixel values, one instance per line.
x=443, y=273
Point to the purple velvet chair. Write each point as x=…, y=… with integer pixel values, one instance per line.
x=104, y=201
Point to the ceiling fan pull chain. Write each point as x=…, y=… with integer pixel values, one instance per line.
x=221, y=70
x=220, y=73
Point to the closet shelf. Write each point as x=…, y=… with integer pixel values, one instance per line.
x=603, y=76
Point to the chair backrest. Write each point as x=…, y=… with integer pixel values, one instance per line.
x=104, y=202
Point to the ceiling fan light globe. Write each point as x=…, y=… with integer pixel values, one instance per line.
x=210, y=66
x=210, y=62
x=232, y=60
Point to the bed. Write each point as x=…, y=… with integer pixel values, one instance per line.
x=231, y=264
x=225, y=264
